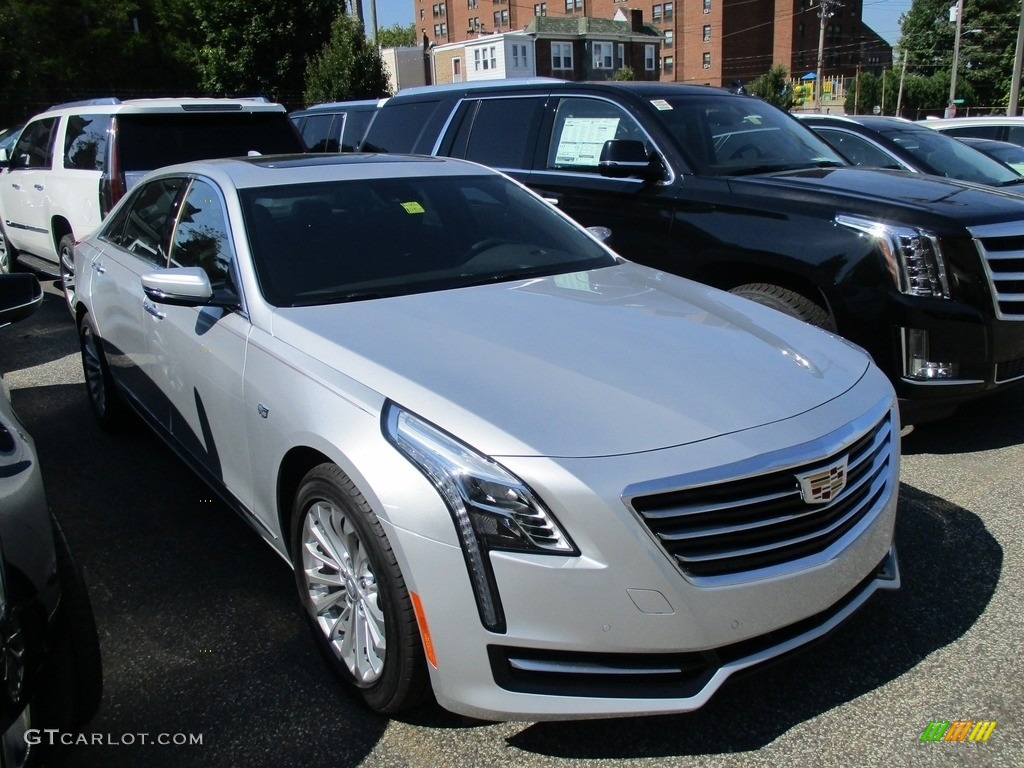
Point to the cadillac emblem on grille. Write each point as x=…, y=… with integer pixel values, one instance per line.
x=823, y=485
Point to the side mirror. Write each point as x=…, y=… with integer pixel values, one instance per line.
x=604, y=234
x=623, y=158
x=20, y=296
x=185, y=287
x=3, y=156
x=179, y=286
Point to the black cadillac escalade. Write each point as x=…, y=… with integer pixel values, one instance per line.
x=925, y=273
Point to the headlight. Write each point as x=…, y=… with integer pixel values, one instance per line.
x=913, y=256
x=492, y=508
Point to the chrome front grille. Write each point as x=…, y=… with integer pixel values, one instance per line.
x=1002, y=251
x=760, y=520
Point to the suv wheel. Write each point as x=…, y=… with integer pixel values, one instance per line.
x=66, y=252
x=787, y=301
x=6, y=254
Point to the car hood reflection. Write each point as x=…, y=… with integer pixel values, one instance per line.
x=607, y=362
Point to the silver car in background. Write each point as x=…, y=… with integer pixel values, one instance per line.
x=504, y=463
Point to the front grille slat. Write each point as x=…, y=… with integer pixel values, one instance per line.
x=774, y=522
x=730, y=527
x=823, y=533
x=1002, y=251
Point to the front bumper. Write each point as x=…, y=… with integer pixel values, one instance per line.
x=621, y=629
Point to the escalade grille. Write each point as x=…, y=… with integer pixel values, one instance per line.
x=762, y=520
x=1002, y=250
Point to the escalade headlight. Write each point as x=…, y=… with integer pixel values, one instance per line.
x=912, y=255
x=492, y=508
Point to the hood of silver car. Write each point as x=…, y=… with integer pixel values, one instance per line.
x=613, y=361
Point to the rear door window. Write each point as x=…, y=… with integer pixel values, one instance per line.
x=85, y=142
x=484, y=134
x=143, y=225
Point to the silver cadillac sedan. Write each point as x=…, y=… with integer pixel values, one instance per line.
x=505, y=464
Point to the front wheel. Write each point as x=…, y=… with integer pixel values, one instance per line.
x=354, y=594
x=789, y=302
x=66, y=252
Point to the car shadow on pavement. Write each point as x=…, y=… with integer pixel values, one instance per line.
x=46, y=336
x=939, y=545
x=204, y=642
x=993, y=422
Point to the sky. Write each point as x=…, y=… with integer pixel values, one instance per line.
x=883, y=16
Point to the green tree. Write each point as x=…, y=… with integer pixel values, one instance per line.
x=773, y=86
x=53, y=52
x=987, y=43
x=624, y=73
x=259, y=48
x=347, y=67
x=397, y=36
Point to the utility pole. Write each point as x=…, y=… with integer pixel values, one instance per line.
x=903, y=76
x=826, y=9
x=956, y=58
x=1017, y=59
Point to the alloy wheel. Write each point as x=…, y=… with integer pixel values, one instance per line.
x=342, y=591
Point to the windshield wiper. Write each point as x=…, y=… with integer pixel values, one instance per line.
x=504, y=277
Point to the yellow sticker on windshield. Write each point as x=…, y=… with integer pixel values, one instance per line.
x=413, y=207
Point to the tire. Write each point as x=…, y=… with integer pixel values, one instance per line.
x=787, y=301
x=107, y=405
x=7, y=254
x=354, y=594
x=66, y=257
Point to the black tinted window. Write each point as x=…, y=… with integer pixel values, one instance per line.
x=154, y=140
x=35, y=145
x=399, y=133
x=85, y=142
x=356, y=124
x=976, y=131
x=201, y=237
x=320, y=133
x=484, y=134
x=142, y=225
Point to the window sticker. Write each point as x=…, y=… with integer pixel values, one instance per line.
x=575, y=281
x=583, y=138
x=413, y=207
x=660, y=104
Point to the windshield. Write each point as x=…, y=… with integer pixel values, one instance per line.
x=945, y=156
x=724, y=135
x=329, y=242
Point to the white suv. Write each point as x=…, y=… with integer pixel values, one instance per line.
x=73, y=162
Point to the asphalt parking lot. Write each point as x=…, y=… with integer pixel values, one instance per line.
x=205, y=648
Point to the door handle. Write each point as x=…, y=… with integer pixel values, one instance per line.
x=152, y=309
x=16, y=186
x=99, y=268
x=38, y=187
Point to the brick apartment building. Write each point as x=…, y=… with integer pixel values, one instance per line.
x=715, y=42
